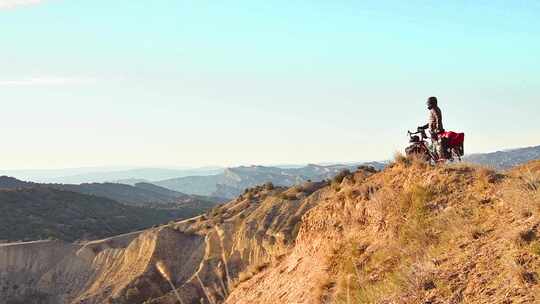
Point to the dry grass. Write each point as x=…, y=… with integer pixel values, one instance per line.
x=249, y=273
x=417, y=233
x=522, y=194
x=425, y=219
x=404, y=262
x=205, y=290
x=324, y=292
x=408, y=161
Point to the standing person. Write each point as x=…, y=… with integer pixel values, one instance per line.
x=435, y=126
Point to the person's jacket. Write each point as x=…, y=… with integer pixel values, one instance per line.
x=435, y=120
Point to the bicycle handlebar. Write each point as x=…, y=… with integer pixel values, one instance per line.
x=422, y=132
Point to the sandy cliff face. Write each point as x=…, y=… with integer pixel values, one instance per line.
x=205, y=255
x=409, y=234
x=242, y=237
x=413, y=234
x=51, y=271
x=33, y=269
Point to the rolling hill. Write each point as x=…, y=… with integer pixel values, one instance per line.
x=142, y=194
x=30, y=211
x=41, y=213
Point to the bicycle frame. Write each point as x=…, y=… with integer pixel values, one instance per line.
x=429, y=148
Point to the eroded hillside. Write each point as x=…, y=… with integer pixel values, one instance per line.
x=414, y=234
x=409, y=234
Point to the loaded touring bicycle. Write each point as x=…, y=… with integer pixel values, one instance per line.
x=452, y=146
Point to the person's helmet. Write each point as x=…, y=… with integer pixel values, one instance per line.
x=431, y=102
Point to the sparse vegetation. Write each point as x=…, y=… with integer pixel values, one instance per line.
x=340, y=176
x=269, y=186
x=249, y=272
x=422, y=226
x=535, y=248
x=288, y=195
x=133, y=295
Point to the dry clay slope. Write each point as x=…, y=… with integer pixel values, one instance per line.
x=205, y=255
x=57, y=272
x=413, y=234
x=409, y=234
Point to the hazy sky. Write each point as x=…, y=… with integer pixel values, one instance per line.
x=154, y=83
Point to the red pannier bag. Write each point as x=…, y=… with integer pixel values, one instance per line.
x=455, y=140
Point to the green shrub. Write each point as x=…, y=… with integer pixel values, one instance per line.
x=133, y=295
x=340, y=176
x=535, y=248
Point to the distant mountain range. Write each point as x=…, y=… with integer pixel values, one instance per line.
x=134, y=186
x=101, y=175
x=505, y=159
x=233, y=181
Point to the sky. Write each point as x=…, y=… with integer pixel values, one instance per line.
x=197, y=83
